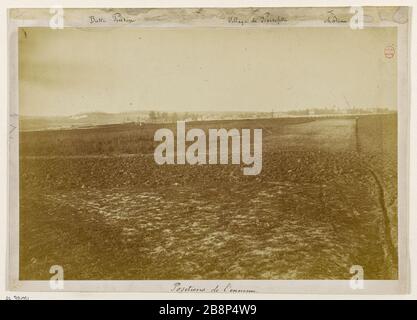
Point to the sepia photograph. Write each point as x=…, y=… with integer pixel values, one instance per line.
x=211, y=145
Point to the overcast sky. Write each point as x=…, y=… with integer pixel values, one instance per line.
x=70, y=71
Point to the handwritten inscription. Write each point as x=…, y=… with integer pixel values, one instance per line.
x=332, y=18
x=118, y=17
x=17, y=298
x=267, y=18
x=115, y=18
x=217, y=288
x=94, y=19
x=264, y=19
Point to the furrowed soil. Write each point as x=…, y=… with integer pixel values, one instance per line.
x=95, y=202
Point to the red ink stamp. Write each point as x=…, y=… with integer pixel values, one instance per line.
x=389, y=52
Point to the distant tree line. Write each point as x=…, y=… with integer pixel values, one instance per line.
x=322, y=111
x=161, y=117
x=155, y=116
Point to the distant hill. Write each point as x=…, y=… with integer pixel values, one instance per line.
x=31, y=123
x=82, y=120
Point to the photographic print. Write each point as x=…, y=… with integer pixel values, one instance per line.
x=239, y=149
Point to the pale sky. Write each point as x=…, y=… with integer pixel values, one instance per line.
x=70, y=71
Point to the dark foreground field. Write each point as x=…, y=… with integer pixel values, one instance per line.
x=94, y=201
